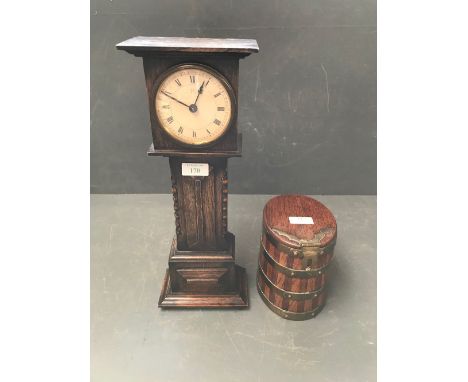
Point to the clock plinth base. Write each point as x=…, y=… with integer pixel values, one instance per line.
x=204, y=279
x=235, y=300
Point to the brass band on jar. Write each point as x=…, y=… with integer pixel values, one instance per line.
x=286, y=313
x=297, y=296
x=291, y=272
x=299, y=252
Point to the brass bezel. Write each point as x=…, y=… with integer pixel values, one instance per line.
x=219, y=77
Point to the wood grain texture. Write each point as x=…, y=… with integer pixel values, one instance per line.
x=276, y=221
x=185, y=44
x=281, y=272
x=201, y=208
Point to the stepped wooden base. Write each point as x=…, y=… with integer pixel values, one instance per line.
x=237, y=300
x=204, y=279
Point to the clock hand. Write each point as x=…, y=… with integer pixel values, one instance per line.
x=193, y=107
x=175, y=99
x=200, y=91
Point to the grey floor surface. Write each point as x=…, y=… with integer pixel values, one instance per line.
x=133, y=340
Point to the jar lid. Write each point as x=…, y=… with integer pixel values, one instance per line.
x=297, y=221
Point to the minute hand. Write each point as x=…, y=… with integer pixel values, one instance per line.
x=175, y=99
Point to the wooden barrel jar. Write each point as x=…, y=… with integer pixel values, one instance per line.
x=296, y=248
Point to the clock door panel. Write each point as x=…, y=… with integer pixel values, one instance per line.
x=203, y=224
x=197, y=193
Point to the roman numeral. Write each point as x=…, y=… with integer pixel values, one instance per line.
x=170, y=119
x=181, y=130
x=192, y=79
x=166, y=107
x=209, y=132
x=217, y=122
x=178, y=82
x=217, y=94
x=220, y=108
x=207, y=83
x=194, y=134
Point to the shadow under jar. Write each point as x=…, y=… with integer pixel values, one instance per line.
x=296, y=248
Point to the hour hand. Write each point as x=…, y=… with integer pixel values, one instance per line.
x=175, y=99
x=200, y=91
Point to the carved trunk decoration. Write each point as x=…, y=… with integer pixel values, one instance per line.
x=204, y=200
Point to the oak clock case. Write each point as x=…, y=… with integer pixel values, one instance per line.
x=183, y=78
x=194, y=104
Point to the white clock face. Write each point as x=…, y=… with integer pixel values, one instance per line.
x=194, y=105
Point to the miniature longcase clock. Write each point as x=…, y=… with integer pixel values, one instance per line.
x=192, y=86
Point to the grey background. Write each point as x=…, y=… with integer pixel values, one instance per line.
x=307, y=101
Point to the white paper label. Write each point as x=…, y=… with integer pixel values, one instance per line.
x=195, y=169
x=301, y=220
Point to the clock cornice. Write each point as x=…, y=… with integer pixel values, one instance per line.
x=141, y=45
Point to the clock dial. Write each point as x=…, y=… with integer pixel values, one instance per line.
x=194, y=104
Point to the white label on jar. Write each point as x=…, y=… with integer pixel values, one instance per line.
x=301, y=220
x=195, y=169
